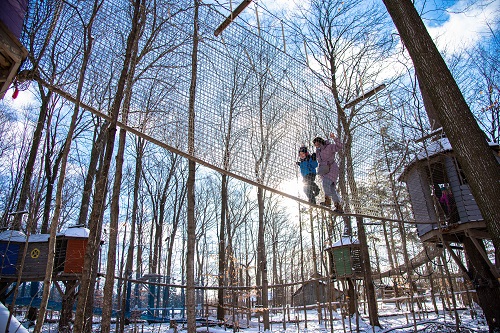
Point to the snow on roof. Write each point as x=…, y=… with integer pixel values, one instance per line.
x=39, y=238
x=12, y=236
x=345, y=241
x=435, y=147
x=439, y=146
x=79, y=232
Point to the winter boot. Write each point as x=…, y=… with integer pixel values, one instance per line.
x=338, y=208
x=315, y=189
x=327, y=202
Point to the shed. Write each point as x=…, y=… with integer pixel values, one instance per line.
x=11, y=248
x=35, y=262
x=306, y=294
x=345, y=258
x=439, y=190
x=70, y=250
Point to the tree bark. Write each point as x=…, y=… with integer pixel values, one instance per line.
x=191, y=223
x=127, y=286
x=315, y=267
x=486, y=285
x=262, y=261
x=222, y=250
x=68, y=299
x=367, y=271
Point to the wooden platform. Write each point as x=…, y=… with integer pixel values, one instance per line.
x=455, y=232
x=12, y=53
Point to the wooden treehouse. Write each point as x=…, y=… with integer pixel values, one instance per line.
x=442, y=201
x=12, y=52
x=68, y=263
x=26, y=258
x=440, y=195
x=345, y=259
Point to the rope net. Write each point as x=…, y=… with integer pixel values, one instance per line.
x=255, y=103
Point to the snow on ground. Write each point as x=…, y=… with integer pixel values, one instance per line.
x=391, y=319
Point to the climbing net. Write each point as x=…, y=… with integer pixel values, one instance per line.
x=257, y=99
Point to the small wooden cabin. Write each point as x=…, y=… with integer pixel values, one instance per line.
x=11, y=249
x=439, y=192
x=35, y=262
x=12, y=52
x=70, y=250
x=306, y=294
x=345, y=258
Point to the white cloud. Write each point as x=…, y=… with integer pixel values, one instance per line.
x=465, y=27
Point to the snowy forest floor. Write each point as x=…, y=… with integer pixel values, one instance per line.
x=391, y=320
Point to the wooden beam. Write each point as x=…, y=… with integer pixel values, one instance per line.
x=231, y=17
x=457, y=259
x=478, y=234
x=478, y=246
x=364, y=96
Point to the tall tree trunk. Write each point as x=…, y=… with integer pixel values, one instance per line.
x=262, y=261
x=51, y=175
x=480, y=166
x=101, y=184
x=95, y=154
x=68, y=299
x=115, y=198
x=37, y=135
x=127, y=286
x=28, y=170
x=222, y=250
x=363, y=242
x=47, y=282
x=367, y=271
x=107, y=304
x=191, y=223
x=302, y=274
x=315, y=267
x=486, y=285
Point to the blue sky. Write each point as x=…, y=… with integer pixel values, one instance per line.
x=455, y=25
x=459, y=25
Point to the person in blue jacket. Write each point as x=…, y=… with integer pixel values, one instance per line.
x=308, y=166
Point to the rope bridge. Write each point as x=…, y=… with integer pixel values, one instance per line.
x=257, y=99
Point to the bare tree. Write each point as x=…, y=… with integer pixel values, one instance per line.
x=191, y=223
x=87, y=46
x=231, y=105
x=266, y=133
x=45, y=20
x=101, y=184
x=115, y=198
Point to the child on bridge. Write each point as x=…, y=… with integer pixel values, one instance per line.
x=308, y=166
x=328, y=169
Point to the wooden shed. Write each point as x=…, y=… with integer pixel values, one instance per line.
x=345, y=258
x=70, y=250
x=439, y=191
x=35, y=262
x=306, y=294
x=11, y=249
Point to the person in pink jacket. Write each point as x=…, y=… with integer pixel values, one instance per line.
x=328, y=169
